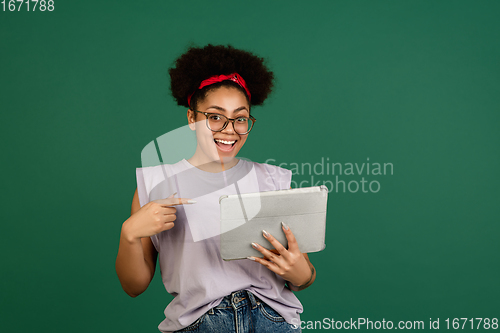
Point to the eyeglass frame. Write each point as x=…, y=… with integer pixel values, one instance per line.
x=207, y=114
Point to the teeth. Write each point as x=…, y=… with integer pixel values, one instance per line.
x=225, y=142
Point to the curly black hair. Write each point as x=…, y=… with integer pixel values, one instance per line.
x=198, y=64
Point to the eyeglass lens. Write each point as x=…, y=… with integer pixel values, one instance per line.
x=241, y=125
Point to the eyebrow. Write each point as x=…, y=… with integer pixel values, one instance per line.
x=241, y=108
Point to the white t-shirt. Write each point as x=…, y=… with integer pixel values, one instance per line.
x=191, y=266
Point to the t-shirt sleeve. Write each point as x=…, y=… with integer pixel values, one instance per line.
x=285, y=178
x=141, y=187
x=282, y=178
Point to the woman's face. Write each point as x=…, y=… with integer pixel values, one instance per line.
x=220, y=146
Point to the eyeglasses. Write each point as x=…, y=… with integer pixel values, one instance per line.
x=216, y=122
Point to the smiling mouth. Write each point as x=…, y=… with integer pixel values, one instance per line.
x=225, y=145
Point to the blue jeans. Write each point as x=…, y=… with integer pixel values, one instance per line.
x=241, y=312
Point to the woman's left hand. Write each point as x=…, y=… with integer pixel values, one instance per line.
x=290, y=264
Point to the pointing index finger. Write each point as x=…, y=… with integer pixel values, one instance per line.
x=175, y=201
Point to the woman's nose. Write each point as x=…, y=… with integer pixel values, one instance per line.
x=229, y=128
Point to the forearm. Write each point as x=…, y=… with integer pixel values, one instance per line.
x=132, y=269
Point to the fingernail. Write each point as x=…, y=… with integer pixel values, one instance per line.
x=191, y=201
x=285, y=226
x=255, y=246
x=251, y=258
x=173, y=194
x=265, y=233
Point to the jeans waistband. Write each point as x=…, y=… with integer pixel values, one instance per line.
x=239, y=299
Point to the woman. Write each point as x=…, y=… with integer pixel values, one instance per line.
x=219, y=85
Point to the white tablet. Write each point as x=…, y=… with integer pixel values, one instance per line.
x=244, y=216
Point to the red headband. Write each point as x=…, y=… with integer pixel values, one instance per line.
x=235, y=77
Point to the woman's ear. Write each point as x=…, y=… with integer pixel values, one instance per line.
x=191, y=119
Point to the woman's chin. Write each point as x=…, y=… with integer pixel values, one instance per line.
x=223, y=156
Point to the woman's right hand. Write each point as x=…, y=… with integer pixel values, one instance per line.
x=154, y=217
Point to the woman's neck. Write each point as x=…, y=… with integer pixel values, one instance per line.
x=210, y=165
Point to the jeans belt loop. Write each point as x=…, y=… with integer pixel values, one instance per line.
x=253, y=300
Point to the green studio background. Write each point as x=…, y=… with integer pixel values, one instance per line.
x=413, y=83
